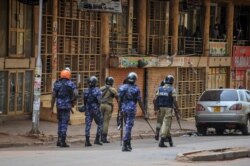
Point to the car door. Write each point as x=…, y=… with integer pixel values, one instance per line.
x=248, y=100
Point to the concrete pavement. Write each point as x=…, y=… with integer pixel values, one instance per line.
x=16, y=133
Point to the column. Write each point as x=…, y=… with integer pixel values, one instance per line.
x=105, y=44
x=206, y=28
x=230, y=25
x=54, y=42
x=142, y=22
x=174, y=9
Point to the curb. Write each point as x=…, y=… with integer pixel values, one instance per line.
x=214, y=154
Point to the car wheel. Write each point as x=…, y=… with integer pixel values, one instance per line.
x=244, y=128
x=202, y=130
x=219, y=131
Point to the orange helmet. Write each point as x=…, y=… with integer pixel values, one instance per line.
x=65, y=74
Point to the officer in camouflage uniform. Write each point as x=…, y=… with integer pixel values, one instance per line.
x=160, y=114
x=64, y=93
x=166, y=99
x=91, y=98
x=108, y=93
x=129, y=94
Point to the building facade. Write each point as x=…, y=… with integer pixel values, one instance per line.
x=199, y=42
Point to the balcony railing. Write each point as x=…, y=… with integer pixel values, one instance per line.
x=123, y=43
x=241, y=43
x=190, y=46
x=126, y=44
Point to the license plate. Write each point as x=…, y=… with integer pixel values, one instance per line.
x=216, y=109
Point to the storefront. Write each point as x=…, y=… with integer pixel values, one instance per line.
x=241, y=67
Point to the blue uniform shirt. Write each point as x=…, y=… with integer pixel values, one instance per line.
x=93, y=96
x=129, y=95
x=64, y=89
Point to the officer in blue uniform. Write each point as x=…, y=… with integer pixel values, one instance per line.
x=92, y=99
x=166, y=99
x=129, y=94
x=65, y=94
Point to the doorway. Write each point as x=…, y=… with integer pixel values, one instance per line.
x=16, y=92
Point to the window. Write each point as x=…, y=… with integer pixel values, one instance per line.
x=20, y=29
x=248, y=96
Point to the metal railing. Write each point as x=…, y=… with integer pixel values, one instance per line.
x=123, y=43
x=241, y=43
x=190, y=45
x=159, y=45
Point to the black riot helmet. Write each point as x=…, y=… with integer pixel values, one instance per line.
x=132, y=77
x=109, y=81
x=92, y=81
x=169, y=79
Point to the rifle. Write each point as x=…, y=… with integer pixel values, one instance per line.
x=176, y=113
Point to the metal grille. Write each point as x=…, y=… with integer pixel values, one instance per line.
x=191, y=83
x=78, y=43
x=158, y=40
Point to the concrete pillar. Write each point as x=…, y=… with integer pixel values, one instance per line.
x=105, y=44
x=142, y=22
x=54, y=42
x=174, y=26
x=206, y=27
x=230, y=25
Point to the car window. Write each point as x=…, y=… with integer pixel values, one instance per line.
x=242, y=96
x=248, y=96
x=219, y=95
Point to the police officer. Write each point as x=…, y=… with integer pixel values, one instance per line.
x=108, y=93
x=129, y=94
x=166, y=99
x=65, y=94
x=159, y=113
x=91, y=98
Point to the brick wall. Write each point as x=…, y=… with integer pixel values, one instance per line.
x=119, y=74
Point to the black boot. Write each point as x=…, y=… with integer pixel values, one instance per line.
x=87, y=142
x=58, y=141
x=129, y=145
x=157, y=134
x=63, y=142
x=125, y=147
x=171, y=144
x=104, y=138
x=97, y=140
x=161, y=143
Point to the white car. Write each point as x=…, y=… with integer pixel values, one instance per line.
x=223, y=109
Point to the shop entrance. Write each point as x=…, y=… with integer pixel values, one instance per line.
x=16, y=92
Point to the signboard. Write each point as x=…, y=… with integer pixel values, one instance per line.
x=217, y=48
x=113, y=6
x=241, y=57
x=144, y=62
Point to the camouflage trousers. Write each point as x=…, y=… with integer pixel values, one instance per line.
x=167, y=121
x=129, y=123
x=95, y=115
x=63, y=116
x=106, y=110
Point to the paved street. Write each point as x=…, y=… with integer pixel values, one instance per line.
x=145, y=152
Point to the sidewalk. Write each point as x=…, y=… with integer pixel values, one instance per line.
x=16, y=133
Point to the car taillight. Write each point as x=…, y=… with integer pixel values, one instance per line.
x=236, y=107
x=199, y=107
